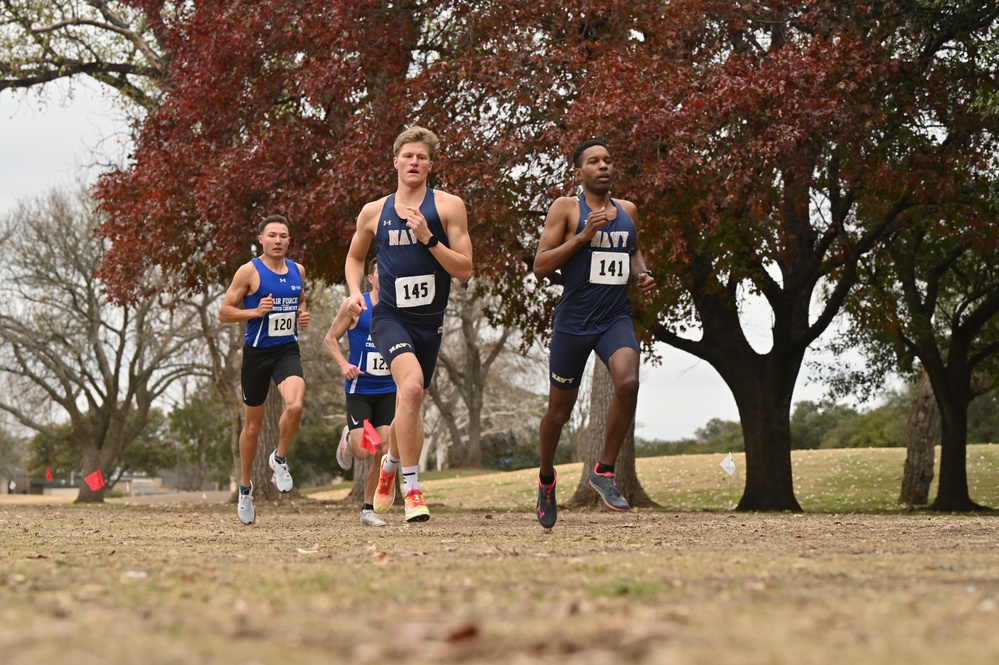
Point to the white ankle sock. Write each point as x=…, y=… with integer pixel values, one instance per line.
x=410, y=478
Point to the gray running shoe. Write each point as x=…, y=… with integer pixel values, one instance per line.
x=606, y=486
x=368, y=518
x=547, y=507
x=244, y=507
x=344, y=457
x=282, y=477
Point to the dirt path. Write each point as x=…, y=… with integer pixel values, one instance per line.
x=187, y=583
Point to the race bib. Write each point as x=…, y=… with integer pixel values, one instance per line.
x=375, y=364
x=281, y=324
x=414, y=291
x=610, y=267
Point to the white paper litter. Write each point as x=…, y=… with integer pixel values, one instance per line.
x=728, y=464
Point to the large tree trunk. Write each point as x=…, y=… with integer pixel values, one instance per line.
x=952, y=389
x=762, y=394
x=923, y=429
x=601, y=392
x=952, y=492
x=762, y=385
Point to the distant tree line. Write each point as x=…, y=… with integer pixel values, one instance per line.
x=826, y=424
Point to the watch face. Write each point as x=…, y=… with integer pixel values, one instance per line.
x=433, y=241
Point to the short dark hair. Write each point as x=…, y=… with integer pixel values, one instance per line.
x=273, y=219
x=577, y=154
x=372, y=264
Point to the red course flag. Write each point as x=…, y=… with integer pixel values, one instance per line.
x=370, y=439
x=48, y=473
x=95, y=480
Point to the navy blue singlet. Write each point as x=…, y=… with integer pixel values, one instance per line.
x=595, y=279
x=410, y=278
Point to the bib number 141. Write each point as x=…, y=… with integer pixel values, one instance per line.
x=610, y=268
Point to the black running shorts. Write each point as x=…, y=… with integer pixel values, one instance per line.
x=379, y=410
x=261, y=365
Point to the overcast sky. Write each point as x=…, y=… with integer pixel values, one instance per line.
x=52, y=145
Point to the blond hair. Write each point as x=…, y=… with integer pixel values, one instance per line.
x=417, y=135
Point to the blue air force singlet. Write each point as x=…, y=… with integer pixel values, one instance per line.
x=280, y=325
x=377, y=379
x=411, y=279
x=595, y=279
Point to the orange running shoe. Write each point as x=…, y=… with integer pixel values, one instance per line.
x=416, y=509
x=385, y=492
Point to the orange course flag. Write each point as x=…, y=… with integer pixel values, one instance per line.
x=95, y=480
x=370, y=439
x=48, y=473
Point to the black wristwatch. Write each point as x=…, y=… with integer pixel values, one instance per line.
x=646, y=272
x=432, y=242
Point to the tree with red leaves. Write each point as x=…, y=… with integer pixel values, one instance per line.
x=774, y=147
x=770, y=146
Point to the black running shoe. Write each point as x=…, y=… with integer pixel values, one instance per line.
x=547, y=508
x=606, y=486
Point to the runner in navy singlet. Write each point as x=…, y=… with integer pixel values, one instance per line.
x=268, y=293
x=593, y=240
x=422, y=243
x=369, y=388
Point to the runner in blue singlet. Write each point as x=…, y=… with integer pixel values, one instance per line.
x=268, y=293
x=370, y=393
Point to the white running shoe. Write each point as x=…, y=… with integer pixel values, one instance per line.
x=244, y=507
x=282, y=476
x=344, y=457
x=368, y=518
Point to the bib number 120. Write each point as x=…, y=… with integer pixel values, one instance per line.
x=281, y=324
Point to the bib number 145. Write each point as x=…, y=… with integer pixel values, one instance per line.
x=414, y=291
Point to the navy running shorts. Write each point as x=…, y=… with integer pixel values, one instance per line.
x=261, y=365
x=395, y=333
x=569, y=353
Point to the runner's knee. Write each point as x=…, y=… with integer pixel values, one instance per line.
x=294, y=409
x=627, y=388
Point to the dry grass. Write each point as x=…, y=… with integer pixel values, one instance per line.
x=691, y=583
x=845, y=480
